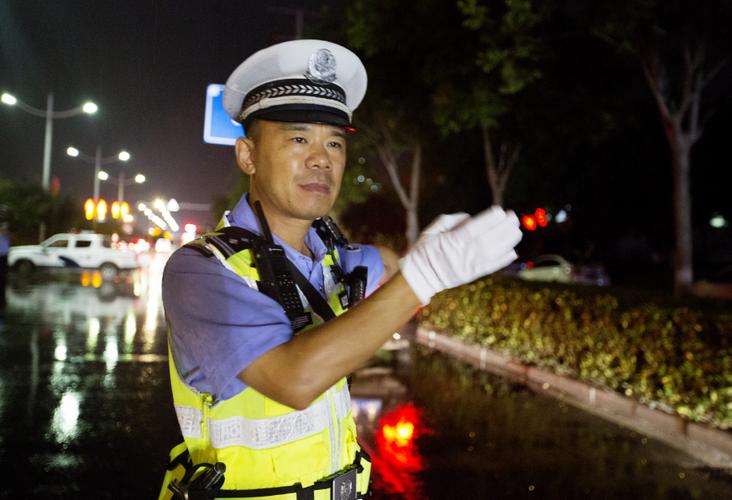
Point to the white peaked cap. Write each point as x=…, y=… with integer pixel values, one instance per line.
x=297, y=81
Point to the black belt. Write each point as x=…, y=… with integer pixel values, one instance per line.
x=343, y=484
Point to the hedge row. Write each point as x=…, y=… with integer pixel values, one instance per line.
x=676, y=358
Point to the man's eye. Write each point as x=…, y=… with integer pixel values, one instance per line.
x=335, y=144
x=299, y=140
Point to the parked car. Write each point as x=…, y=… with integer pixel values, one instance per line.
x=70, y=250
x=547, y=268
x=552, y=267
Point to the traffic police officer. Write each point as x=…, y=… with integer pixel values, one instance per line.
x=258, y=377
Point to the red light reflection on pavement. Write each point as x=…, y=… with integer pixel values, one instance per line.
x=397, y=460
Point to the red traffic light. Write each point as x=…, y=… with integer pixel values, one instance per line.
x=540, y=215
x=528, y=222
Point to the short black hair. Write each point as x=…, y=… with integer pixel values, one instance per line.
x=252, y=130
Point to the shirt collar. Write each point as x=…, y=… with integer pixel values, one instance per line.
x=243, y=216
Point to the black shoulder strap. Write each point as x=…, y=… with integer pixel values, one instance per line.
x=329, y=232
x=232, y=239
x=274, y=283
x=355, y=281
x=227, y=240
x=332, y=236
x=316, y=301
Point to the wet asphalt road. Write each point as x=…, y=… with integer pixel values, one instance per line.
x=85, y=412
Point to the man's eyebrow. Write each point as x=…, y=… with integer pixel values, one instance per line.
x=297, y=126
x=304, y=127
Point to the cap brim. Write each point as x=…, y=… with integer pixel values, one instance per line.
x=301, y=114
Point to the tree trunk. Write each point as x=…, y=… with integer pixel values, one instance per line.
x=410, y=201
x=681, y=124
x=491, y=170
x=683, y=259
x=412, y=212
x=498, y=172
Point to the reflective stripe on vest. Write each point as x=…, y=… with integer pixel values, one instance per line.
x=264, y=432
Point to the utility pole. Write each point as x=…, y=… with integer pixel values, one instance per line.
x=298, y=13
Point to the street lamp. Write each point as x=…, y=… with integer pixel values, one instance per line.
x=122, y=182
x=49, y=114
x=98, y=161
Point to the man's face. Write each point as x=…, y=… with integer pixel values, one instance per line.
x=297, y=167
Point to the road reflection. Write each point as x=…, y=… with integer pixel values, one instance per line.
x=87, y=320
x=388, y=426
x=64, y=425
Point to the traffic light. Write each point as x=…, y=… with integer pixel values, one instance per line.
x=528, y=222
x=101, y=210
x=89, y=209
x=98, y=210
x=540, y=216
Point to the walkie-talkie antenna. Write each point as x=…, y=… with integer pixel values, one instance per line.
x=266, y=233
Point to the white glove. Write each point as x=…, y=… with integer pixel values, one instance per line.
x=457, y=249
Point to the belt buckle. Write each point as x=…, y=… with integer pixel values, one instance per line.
x=344, y=486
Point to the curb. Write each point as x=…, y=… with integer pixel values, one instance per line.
x=710, y=445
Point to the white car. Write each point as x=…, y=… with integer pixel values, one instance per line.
x=71, y=250
x=552, y=267
x=547, y=268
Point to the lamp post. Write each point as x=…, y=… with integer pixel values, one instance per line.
x=49, y=114
x=122, y=182
x=97, y=160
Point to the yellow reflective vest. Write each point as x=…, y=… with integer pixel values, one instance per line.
x=265, y=444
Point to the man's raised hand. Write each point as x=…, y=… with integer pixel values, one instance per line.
x=457, y=249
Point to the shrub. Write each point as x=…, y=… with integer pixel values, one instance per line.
x=676, y=357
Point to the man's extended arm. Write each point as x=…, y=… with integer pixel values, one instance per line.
x=298, y=371
x=454, y=250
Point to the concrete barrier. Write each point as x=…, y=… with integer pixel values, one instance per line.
x=710, y=445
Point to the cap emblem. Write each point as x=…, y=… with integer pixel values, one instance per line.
x=321, y=67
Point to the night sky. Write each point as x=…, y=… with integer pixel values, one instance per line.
x=146, y=64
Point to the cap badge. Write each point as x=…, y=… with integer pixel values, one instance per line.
x=321, y=67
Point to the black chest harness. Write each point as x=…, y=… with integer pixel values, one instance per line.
x=279, y=279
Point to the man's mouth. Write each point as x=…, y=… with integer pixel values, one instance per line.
x=316, y=187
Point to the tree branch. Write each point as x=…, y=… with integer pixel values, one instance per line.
x=670, y=122
x=490, y=162
x=694, y=129
x=386, y=154
x=705, y=80
x=416, y=170
x=509, y=164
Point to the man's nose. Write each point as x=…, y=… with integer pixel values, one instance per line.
x=318, y=157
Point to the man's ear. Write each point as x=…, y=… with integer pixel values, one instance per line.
x=244, y=148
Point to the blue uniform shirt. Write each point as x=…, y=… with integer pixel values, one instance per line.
x=219, y=325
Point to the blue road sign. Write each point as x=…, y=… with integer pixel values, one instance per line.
x=218, y=127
